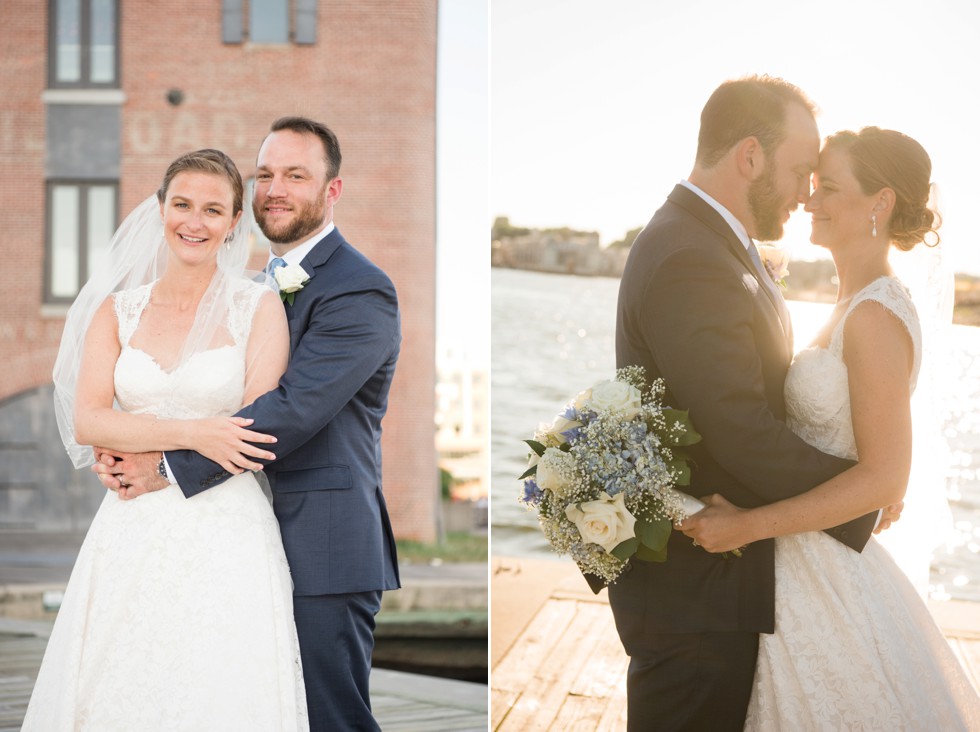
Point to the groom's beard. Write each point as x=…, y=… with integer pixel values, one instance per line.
x=308, y=219
x=766, y=205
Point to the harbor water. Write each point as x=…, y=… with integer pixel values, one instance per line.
x=553, y=335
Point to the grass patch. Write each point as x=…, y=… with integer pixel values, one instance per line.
x=458, y=546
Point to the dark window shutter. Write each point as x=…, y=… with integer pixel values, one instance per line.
x=306, y=22
x=232, y=26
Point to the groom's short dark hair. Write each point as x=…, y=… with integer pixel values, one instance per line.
x=754, y=106
x=304, y=125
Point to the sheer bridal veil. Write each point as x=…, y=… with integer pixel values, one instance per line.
x=926, y=521
x=137, y=256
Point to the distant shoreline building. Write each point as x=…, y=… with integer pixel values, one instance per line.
x=561, y=251
x=99, y=97
x=462, y=421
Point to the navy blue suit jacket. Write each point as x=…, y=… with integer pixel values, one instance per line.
x=344, y=332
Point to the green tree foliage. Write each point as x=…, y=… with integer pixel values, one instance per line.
x=502, y=229
x=627, y=241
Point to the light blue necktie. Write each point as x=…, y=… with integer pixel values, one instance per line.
x=270, y=270
x=280, y=262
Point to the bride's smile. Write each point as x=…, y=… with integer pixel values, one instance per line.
x=197, y=215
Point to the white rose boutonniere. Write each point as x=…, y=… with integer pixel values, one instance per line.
x=776, y=262
x=290, y=280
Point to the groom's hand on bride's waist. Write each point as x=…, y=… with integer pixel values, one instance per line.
x=129, y=474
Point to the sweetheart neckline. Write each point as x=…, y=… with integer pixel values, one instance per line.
x=171, y=372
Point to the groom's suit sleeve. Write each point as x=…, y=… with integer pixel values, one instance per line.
x=703, y=329
x=351, y=334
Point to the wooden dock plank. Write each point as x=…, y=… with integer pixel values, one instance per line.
x=501, y=701
x=548, y=627
x=544, y=696
x=565, y=669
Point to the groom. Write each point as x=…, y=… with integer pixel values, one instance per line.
x=326, y=482
x=697, y=309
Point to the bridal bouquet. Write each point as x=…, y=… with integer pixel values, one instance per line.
x=601, y=476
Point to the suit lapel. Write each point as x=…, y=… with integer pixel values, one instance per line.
x=699, y=208
x=297, y=313
x=322, y=251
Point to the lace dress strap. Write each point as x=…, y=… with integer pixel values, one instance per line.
x=891, y=294
x=246, y=300
x=129, y=306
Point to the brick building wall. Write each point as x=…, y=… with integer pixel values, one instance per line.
x=370, y=76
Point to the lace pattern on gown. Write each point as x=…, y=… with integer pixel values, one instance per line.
x=210, y=383
x=818, y=405
x=855, y=646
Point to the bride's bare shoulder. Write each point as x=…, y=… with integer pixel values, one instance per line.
x=877, y=334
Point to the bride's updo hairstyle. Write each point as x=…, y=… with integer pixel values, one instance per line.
x=888, y=159
x=206, y=161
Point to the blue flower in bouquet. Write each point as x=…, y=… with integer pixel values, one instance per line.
x=532, y=493
x=603, y=474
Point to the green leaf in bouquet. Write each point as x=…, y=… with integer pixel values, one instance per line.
x=624, y=550
x=653, y=533
x=649, y=555
x=533, y=470
x=681, y=470
x=679, y=438
x=536, y=446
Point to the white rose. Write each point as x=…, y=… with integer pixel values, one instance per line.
x=555, y=470
x=291, y=278
x=581, y=400
x=550, y=435
x=616, y=396
x=605, y=522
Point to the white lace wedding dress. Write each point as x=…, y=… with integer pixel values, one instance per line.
x=178, y=614
x=855, y=647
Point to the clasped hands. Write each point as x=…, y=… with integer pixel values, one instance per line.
x=721, y=526
x=129, y=474
x=225, y=440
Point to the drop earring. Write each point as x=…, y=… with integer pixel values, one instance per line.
x=228, y=241
x=874, y=225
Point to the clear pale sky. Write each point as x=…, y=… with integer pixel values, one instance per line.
x=462, y=150
x=595, y=107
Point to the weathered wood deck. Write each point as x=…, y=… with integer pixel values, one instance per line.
x=401, y=702
x=557, y=663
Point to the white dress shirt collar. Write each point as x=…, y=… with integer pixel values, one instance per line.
x=298, y=253
x=737, y=226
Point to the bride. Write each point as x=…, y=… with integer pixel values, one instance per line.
x=178, y=614
x=855, y=646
